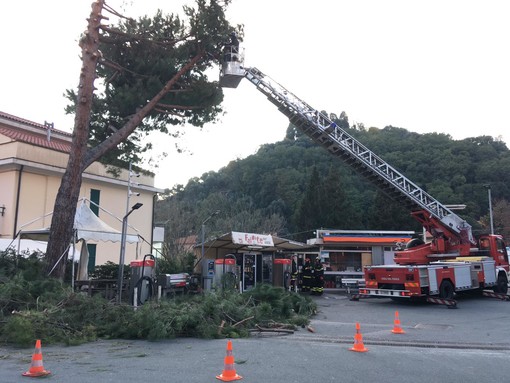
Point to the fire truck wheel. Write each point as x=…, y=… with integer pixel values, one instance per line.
x=502, y=285
x=446, y=290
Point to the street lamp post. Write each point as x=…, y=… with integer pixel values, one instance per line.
x=488, y=186
x=203, y=230
x=136, y=206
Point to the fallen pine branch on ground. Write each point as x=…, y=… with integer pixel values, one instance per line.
x=272, y=329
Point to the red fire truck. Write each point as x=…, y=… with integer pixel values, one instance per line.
x=452, y=261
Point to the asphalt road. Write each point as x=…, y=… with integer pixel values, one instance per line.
x=468, y=344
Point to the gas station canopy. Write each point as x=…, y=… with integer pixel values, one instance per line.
x=249, y=242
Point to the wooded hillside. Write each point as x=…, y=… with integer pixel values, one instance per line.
x=293, y=187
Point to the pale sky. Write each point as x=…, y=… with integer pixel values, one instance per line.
x=426, y=66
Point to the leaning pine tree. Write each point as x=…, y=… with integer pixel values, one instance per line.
x=152, y=73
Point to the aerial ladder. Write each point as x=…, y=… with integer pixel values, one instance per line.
x=452, y=236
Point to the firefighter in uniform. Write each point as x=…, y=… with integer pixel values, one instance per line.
x=231, y=48
x=318, y=278
x=293, y=274
x=307, y=276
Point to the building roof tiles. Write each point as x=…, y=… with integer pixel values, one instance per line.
x=19, y=129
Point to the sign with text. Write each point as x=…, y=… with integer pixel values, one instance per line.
x=252, y=239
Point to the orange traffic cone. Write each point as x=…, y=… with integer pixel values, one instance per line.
x=36, y=367
x=396, y=325
x=229, y=372
x=358, y=341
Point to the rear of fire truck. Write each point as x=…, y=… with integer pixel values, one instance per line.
x=484, y=267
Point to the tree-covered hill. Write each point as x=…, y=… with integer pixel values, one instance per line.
x=292, y=187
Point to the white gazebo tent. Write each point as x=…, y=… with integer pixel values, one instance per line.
x=87, y=227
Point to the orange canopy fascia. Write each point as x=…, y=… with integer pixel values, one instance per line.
x=381, y=240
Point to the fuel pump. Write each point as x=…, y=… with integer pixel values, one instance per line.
x=142, y=280
x=281, y=272
x=207, y=274
x=225, y=272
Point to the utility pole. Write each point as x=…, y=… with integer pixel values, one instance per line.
x=488, y=187
x=124, y=230
x=130, y=183
x=203, y=230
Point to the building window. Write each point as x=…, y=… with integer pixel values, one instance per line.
x=345, y=261
x=94, y=200
x=92, y=257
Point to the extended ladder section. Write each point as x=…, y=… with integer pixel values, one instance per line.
x=338, y=142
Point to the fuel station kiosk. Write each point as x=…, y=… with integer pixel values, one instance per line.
x=247, y=259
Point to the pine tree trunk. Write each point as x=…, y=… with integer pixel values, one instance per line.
x=62, y=222
x=61, y=232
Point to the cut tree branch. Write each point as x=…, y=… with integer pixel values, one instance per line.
x=242, y=321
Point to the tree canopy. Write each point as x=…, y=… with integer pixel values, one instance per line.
x=138, y=59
